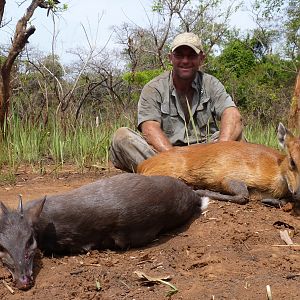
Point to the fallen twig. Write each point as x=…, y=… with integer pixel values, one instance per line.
x=292, y=276
x=144, y=261
x=90, y=265
x=293, y=245
x=76, y=272
x=98, y=285
x=269, y=293
x=123, y=282
x=8, y=287
x=159, y=265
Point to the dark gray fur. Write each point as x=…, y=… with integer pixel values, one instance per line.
x=123, y=211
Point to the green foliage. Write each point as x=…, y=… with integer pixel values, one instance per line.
x=56, y=7
x=292, y=29
x=138, y=79
x=142, y=77
x=7, y=177
x=2, y=59
x=237, y=57
x=282, y=17
x=261, y=85
x=53, y=65
x=265, y=92
x=157, y=6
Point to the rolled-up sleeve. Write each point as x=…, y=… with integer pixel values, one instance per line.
x=149, y=105
x=220, y=98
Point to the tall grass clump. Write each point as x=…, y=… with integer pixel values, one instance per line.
x=88, y=144
x=83, y=142
x=259, y=134
x=22, y=142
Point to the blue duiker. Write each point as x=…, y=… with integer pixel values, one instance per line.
x=123, y=211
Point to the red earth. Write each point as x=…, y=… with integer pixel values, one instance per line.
x=231, y=252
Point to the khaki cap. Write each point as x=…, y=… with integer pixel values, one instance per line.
x=187, y=39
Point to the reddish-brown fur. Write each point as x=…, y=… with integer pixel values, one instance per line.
x=233, y=167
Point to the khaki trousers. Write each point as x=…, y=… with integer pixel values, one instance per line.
x=128, y=149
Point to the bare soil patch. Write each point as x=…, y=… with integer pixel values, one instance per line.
x=233, y=252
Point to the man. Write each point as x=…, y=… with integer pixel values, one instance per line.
x=177, y=108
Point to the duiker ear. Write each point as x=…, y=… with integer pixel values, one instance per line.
x=3, y=208
x=282, y=135
x=20, y=206
x=33, y=213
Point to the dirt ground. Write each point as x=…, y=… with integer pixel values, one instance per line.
x=231, y=252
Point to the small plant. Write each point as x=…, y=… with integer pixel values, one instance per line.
x=8, y=178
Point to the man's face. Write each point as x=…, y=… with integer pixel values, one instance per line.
x=185, y=62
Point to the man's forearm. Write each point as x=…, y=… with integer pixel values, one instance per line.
x=155, y=136
x=231, y=125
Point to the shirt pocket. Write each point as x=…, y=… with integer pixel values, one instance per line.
x=170, y=118
x=203, y=112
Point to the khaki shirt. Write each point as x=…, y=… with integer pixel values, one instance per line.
x=159, y=102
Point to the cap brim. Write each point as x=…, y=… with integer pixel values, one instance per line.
x=197, y=50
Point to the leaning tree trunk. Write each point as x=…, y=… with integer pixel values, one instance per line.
x=294, y=117
x=22, y=33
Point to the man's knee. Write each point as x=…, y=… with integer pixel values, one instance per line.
x=120, y=135
x=128, y=149
x=117, y=147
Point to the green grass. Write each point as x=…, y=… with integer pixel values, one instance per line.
x=257, y=134
x=83, y=144
x=7, y=178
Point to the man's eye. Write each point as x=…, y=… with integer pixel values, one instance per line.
x=181, y=56
x=178, y=56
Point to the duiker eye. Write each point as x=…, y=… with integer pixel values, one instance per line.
x=292, y=164
x=31, y=243
x=30, y=240
x=2, y=252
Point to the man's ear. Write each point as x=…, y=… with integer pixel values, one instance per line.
x=202, y=56
x=170, y=57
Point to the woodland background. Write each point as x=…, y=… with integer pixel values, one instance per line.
x=52, y=113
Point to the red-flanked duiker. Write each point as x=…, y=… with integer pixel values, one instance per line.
x=123, y=211
x=235, y=171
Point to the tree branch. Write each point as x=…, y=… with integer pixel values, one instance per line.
x=2, y=5
x=21, y=36
x=20, y=39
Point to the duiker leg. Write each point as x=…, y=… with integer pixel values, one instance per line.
x=238, y=192
x=278, y=203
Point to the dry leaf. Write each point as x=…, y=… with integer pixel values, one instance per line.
x=284, y=235
x=160, y=279
x=150, y=278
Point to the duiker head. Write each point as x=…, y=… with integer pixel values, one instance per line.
x=17, y=241
x=291, y=145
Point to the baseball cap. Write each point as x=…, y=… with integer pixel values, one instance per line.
x=187, y=39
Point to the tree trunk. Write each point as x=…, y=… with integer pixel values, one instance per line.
x=4, y=96
x=294, y=117
x=22, y=33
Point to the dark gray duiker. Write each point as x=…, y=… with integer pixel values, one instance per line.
x=127, y=210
